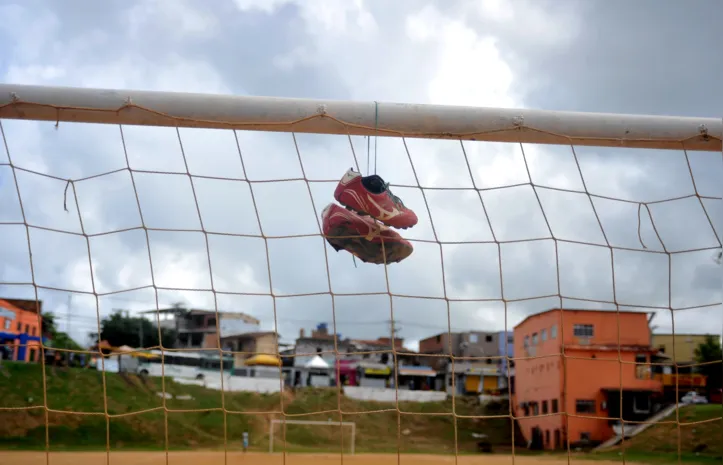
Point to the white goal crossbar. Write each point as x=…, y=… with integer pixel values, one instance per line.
x=350, y=424
x=84, y=105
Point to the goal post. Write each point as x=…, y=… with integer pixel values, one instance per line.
x=153, y=108
x=327, y=424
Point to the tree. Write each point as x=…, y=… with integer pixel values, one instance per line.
x=122, y=329
x=707, y=352
x=58, y=339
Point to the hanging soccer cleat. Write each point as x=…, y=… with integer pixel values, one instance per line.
x=370, y=195
x=362, y=237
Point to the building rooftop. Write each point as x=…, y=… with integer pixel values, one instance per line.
x=251, y=335
x=581, y=310
x=23, y=304
x=686, y=334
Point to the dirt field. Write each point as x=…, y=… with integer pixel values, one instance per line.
x=235, y=458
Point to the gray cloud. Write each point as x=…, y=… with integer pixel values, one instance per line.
x=569, y=60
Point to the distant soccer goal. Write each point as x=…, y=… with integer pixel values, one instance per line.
x=335, y=426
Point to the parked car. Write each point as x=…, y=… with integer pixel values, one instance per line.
x=693, y=397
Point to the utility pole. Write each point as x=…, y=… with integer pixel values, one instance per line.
x=68, y=313
x=140, y=331
x=394, y=330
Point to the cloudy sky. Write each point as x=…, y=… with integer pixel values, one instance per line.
x=647, y=57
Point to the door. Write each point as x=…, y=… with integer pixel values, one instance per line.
x=471, y=383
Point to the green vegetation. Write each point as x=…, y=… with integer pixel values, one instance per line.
x=58, y=339
x=142, y=421
x=699, y=442
x=710, y=355
x=121, y=329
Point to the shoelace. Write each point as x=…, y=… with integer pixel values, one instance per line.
x=395, y=199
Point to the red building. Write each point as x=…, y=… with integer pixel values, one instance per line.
x=604, y=373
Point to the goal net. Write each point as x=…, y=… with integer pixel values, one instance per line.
x=321, y=434
x=179, y=272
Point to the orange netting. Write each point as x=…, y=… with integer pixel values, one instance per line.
x=646, y=216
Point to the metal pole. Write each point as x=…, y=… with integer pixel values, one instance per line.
x=271, y=437
x=357, y=118
x=353, y=437
x=67, y=317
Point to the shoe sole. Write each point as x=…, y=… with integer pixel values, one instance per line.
x=360, y=247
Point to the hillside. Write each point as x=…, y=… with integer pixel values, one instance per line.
x=137, y=416
x=700, y=442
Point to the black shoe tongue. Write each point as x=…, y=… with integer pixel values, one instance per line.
x=374, y=183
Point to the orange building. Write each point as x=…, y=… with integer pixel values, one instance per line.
x=577, y=398
x=19, y=333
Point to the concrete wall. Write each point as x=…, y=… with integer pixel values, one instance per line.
x=505, y=346
x=237, y=383
x=390, y=395
x=479, y=344
x=685, y=345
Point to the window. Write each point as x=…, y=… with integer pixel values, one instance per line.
x=584, y=436
x=543, y=335
x=488, y=338
x=535, y=409
x=27, y=329
x=544, y=407
x=641, y=404
x=19, y=327
x=510, y=339
x=32, y=331
x=527, y=341
x=642, y=369
x=473, y=338
x=7, y=323
x=534, y=339
x=582, y=330
x=554, y=406
x=553, y=332
x=585, y=406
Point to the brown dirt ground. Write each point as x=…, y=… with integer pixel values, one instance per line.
x=237, y=458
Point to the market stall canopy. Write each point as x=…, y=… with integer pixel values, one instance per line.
x=416, y=371
x=263, y=359
x=317, y=362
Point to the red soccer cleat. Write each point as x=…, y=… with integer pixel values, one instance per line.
x=363, y=237
x=370, y=195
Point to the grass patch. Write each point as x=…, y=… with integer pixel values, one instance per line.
x=139, y=417
x=700, y=435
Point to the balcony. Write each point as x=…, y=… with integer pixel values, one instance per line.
x=693, y=380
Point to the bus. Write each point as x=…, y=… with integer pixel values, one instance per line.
x=189, y=365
